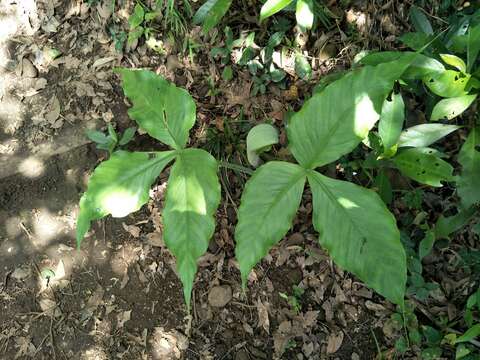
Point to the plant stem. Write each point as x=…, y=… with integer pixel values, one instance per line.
x=236, y=167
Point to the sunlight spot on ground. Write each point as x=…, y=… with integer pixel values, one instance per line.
x=31, y=167
x=9, y=27
x=46, y=226
x=96, y=352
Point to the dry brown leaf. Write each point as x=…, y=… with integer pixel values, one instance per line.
x=334, y=342
x=132, y=230
x=263, y=320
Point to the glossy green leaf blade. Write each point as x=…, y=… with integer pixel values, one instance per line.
x=334, y=121
x=360, y=234
x=448, y=84
x=470, y=334
x=192, y=197
x=423, y=167
x=468, y=183
x=119, y=186
x=304, y=13
x=269, y=203
x=424, y=134
x=271, y=7
x=420, y=67
x=165, y=112
x=451, y=107
x=473, y=45
x=391, y=120
x=210, y=13
x=260, y=138
x=426, y=245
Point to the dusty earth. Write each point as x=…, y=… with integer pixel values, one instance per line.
x=119, y=297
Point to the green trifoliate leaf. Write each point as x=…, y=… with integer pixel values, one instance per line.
x=423, y=167
x=425, y=134
x=468, y=183
x=165, y=112
x=304, y=13
x=119, y=186
x=364, y=242
x=259, y=139
x=448, y=84
x=451, y=107
x=193, y=195
x=334, y=121
x=269, y=203
x=391, y=120
x=271, y=7
x=210, y=13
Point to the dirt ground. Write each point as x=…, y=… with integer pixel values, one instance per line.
x=119, y=297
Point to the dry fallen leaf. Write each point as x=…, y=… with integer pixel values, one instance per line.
x=263, y=320
x=123, y=317
x=334, y=342
x=132, y=230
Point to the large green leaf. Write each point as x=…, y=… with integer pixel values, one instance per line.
x=391, y=120
x=360, y=234
x=119, y=186
x=424, y=134
x=269, y=203
x=448, y=84
x=271, y=7
x=424, y=167
x=420, y=67
x=210, y=13
x=473, y=45
x=468, y=183
x=165, y=112
x=193, y=195
x=334, y=121
x=451, y=107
